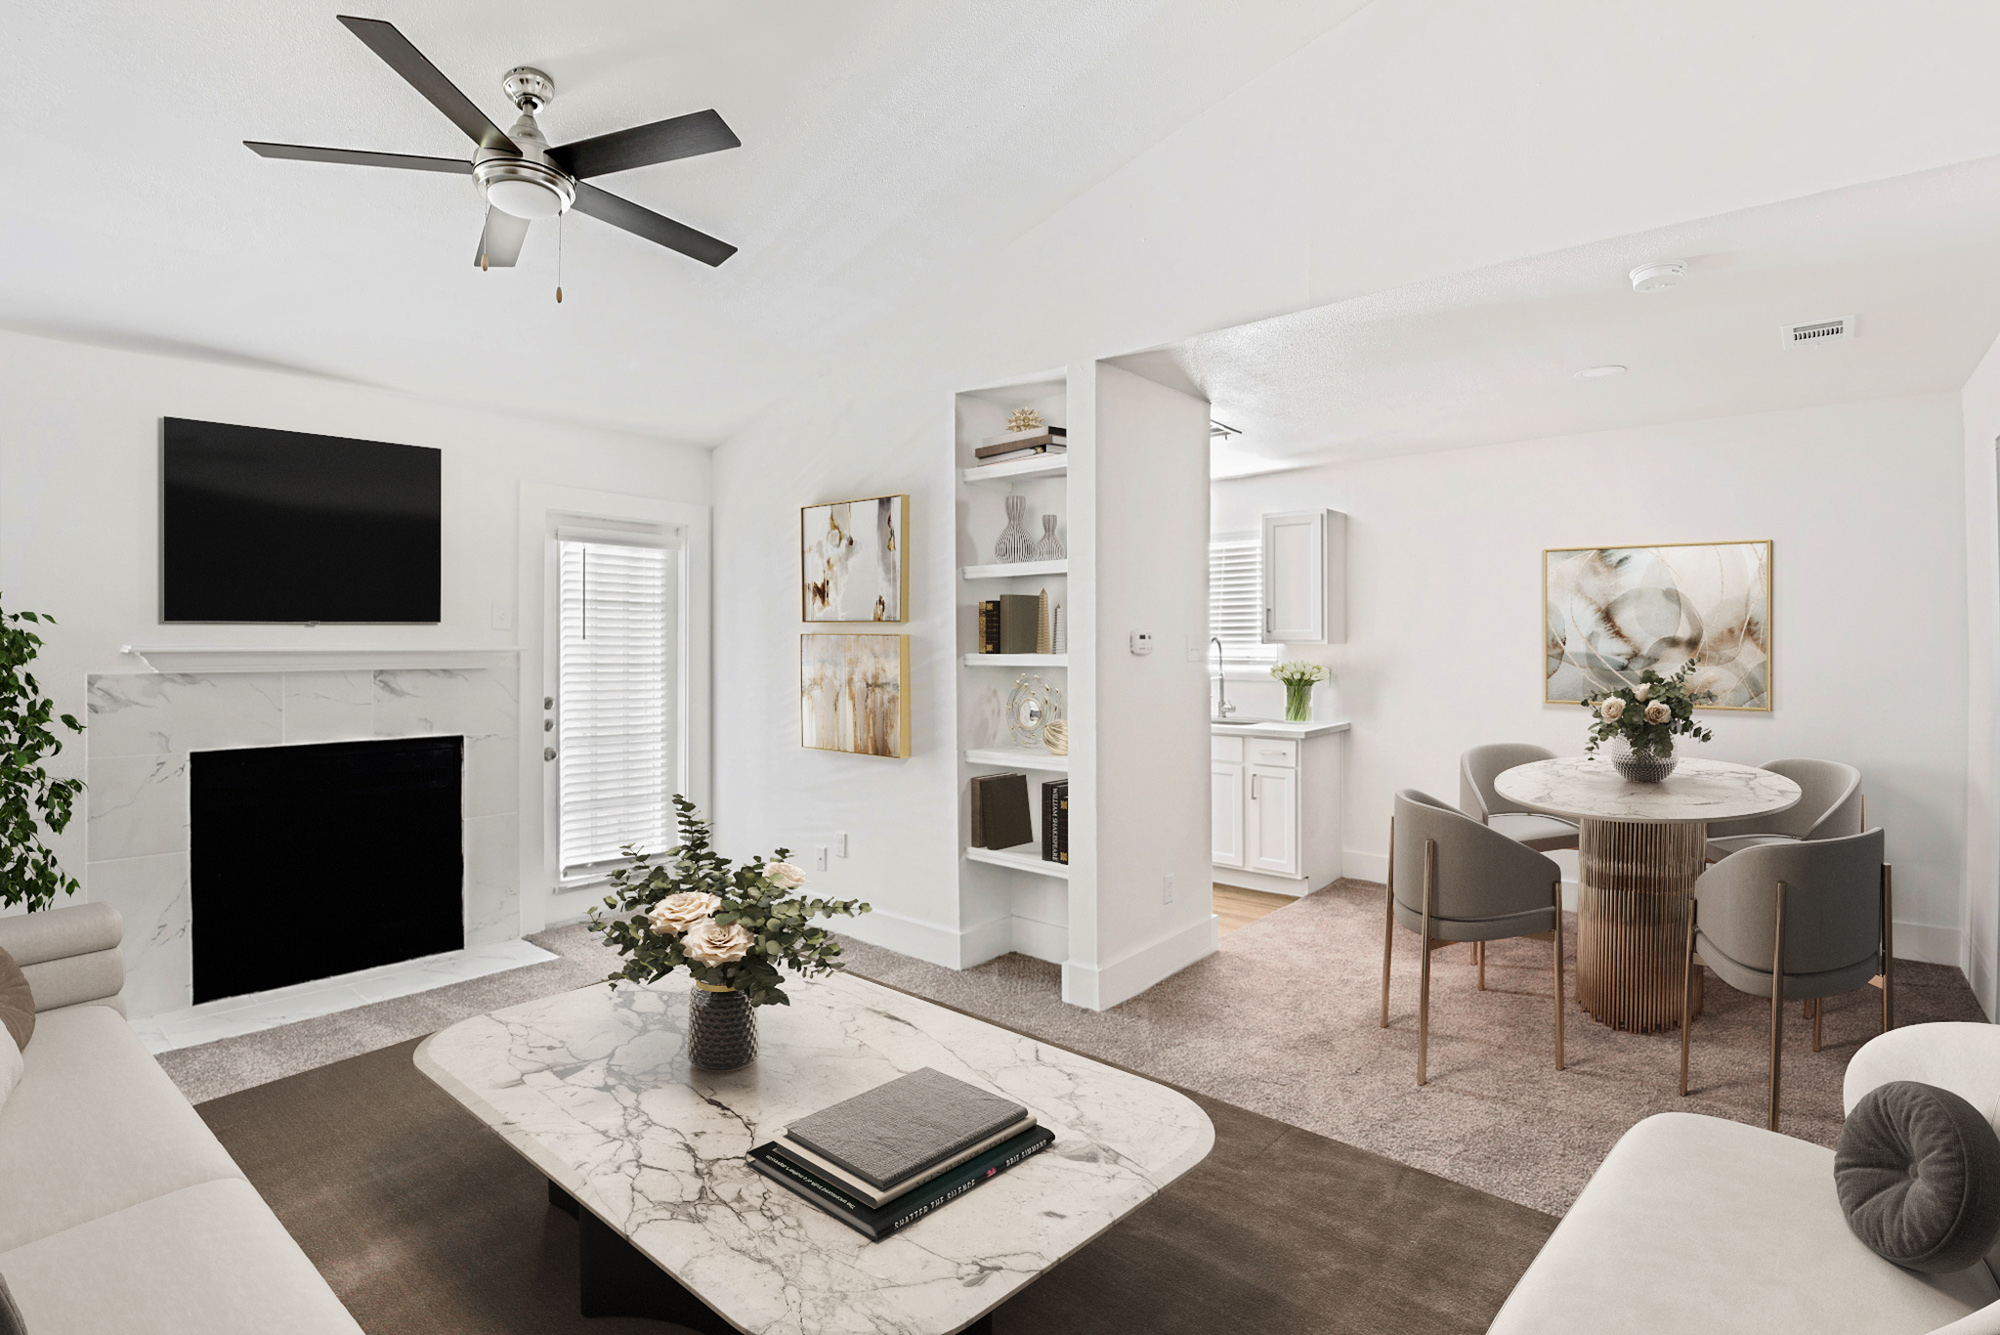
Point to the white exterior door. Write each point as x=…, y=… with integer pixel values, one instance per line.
x=1272, y=839
x=1295, y=578
x=1225, y=795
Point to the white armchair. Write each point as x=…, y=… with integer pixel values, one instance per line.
x=1698, y=1223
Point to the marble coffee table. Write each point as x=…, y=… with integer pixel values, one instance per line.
x=593, y=1088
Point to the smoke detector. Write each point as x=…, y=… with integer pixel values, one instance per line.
x=1836, y=330
x=1659, y=277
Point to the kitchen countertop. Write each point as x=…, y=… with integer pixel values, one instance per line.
x=1276, y=728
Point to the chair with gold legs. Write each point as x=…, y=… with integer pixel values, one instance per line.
x=1451, y=880
x=1801, y=921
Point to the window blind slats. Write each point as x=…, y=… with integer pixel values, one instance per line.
x=617, y=747
x=1236, y=599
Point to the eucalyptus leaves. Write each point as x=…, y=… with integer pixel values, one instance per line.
x=29, y=798
x=730, y=927
x=1650, y=713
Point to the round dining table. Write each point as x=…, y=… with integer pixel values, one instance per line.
x=1642, y=847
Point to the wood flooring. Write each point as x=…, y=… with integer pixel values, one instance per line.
x=1236, y=908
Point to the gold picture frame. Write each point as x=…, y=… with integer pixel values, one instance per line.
x=855, y=561
x=1610, y=612
x=854, y=694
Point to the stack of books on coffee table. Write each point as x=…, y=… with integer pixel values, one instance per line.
x=884, y=1159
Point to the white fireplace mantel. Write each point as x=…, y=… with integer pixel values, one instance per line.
x=196, y=659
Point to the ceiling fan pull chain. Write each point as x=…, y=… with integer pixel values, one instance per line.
x=559, y=223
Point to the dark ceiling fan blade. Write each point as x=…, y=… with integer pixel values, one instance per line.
x=607, y=207
x=395, y=49
x=359, y=157
x=687, y=136
x=500, y=242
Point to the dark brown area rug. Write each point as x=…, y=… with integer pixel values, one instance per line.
x=423, y=1221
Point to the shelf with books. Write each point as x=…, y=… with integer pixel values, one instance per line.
x=1017, y=757
x=1017, y=660
x=1016, y=569
x=1026, y=857
x=1008, y=470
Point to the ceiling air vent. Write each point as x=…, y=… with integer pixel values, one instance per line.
x=1839, y=328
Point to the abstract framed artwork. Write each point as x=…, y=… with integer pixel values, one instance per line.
x=854, y=560
x=1612, y=612
x=854, y=694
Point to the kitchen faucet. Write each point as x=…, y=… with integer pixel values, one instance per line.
x=1223, y=707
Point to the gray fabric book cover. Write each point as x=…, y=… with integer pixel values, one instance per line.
x=903, y=1127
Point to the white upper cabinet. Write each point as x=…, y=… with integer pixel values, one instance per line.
x=1305, y=577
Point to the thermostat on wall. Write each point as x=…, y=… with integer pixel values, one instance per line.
x=1142, y=641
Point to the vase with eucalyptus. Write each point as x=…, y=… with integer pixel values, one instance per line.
x=731, y=927
x=1642, y=719
x=1299, y=677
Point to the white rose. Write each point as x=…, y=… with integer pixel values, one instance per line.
x=1612, y=709
x=1641, y=691
x=712, y=943
x=1657, y=712
x=676, y=913
x=784, y=875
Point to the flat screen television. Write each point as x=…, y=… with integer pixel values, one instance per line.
x=286, y=526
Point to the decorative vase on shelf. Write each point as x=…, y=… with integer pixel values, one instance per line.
x=1299, y=701
x=722, y=1028
x=1642, y=766
x=1014, y=544
x=1050, y=548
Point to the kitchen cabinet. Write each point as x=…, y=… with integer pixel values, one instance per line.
x=1305, y=577
x=1274, y=804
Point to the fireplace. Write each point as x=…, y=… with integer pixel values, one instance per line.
x=311, y=861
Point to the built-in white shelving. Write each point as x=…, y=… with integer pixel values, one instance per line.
x=1041, y=465
x=1030, y=860
x=1018, y=757
x=1016, y=569
x=1017, y=660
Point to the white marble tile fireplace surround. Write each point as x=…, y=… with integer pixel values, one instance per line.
x=142, y=727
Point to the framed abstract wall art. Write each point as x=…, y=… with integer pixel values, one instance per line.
x=854, y=694
x=854, y=560
x=1613, y=612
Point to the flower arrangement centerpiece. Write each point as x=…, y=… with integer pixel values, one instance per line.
x=1642, y=720
x=730, y=927
x=1299, y=677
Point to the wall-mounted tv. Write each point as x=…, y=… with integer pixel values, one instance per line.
x=286, y=526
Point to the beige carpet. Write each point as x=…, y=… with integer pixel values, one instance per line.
x=1284, y=1022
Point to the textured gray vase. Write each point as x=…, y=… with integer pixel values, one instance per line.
x=722, y=1030
x=1050, y=548
x=1641, y=766
x=1014, y=544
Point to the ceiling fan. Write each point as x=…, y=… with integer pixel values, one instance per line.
x=518, y=174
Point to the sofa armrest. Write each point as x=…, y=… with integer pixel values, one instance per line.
x=69, y=955
x=1960, y=1056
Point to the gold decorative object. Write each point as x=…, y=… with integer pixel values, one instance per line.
x=1043, y=634
x=1055, y=736
x=1024, y=419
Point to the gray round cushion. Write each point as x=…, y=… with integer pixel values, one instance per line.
x=1918, y=1173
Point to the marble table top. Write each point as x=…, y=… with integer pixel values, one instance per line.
x=593, y=1087
x=1588, y=788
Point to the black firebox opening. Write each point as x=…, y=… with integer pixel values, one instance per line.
x=311, y=861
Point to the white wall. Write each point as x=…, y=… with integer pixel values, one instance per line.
x=1981, y=409
x=1865, y=505
x=79, y=503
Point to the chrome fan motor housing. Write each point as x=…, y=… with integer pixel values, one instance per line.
x=524, y=184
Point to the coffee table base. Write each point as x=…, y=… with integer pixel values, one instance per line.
x=614, y=1278
x=1631, y=921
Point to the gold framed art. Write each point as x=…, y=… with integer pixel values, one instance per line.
x=854, y=694
x=1609, y=613
x=854, y=560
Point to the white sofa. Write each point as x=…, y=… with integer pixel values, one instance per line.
x=1699, y=1224
x=119, y=1210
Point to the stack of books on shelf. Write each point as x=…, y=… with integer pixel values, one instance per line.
x=882, y=1160
x=1055, y=821
x=1000, y=811
x=1014, y=623
x=1022, y=444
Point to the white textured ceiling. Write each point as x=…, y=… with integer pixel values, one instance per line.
x=884, y=143
x=1492, y=355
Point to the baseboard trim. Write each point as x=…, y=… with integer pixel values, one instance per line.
x=1100, y=987
x=1979, y=972
x=1926, y=944
x=926, y=941
x=1358, y=866
x=1256, y=880
x=1041, y=940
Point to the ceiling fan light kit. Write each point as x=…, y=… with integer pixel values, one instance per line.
x=518, y=175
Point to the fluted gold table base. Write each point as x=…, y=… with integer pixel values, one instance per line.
x=1631, y=920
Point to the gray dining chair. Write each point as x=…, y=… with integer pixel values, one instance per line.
x=1830, y=806
x=1804, y=920
x=1451, y=879
x=1479, y=767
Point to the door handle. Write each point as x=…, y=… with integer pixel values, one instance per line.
x=1267, y=621
x=548, y=753
x=1253, y=786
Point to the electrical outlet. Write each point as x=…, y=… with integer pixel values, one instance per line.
x=1166, y=889
x=840, y=844
x=819, y=855
x=1197, y=649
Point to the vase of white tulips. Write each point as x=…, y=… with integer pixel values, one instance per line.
x=1299, y=677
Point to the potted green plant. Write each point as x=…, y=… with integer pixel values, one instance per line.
x=732, y=928
x=1641, y=720
x=29, y=796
